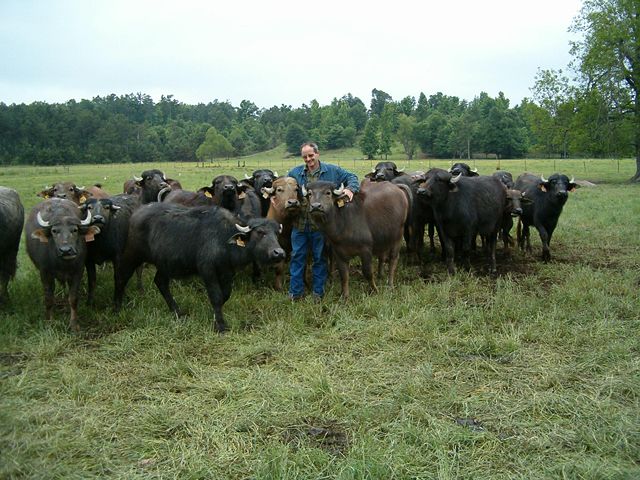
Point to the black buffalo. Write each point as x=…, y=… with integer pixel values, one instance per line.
x=384, y=171
x=261, y=181
x=112, y=216
x=505, y=177
x=370, y=225
x=463, y=208
x=11, y=222
x=464, y=169
x=546, y=198
x=152, y=186
x=56, y=239
x=204, y=241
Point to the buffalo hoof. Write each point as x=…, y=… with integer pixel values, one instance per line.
x=221, y=328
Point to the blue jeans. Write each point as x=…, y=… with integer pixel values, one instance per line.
x=300, y=243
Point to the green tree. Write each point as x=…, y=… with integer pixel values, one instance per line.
x=608, y=57
x=369, y=143
x=378, y=101
x=295, y=137
x=407, y=134
x=215, y=145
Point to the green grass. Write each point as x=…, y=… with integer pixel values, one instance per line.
x=533, y=374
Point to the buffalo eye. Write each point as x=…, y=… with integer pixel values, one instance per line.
x=280, y=189
x=55, y=230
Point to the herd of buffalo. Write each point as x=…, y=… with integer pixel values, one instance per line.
x=220, y=228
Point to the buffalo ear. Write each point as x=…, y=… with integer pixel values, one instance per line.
x=40, y=234
x=239, y=239
x=370, y=175
x=543, y=186
x=573, y=186
x=45, y=193
x=524, y=200
x=92, y=231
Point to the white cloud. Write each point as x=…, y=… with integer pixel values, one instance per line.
x=279, y=52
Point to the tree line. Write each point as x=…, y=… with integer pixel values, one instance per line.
x=134, y=128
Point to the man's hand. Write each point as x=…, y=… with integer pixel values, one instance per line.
x=348, y=193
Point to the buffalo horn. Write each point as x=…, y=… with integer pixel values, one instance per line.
x=280, y=229
x=162, y=192
x=247, y=177
x=573, y=179
x=304, y=191
x=475, y=170
x=401, y=170
x=268, y=190
x=137, y=179
x=163, y=177
x=373, y=170
x=275, y=174
x=87, y=220
x=339, y=191
x=41, y=222
x=243, y=229
x=543, y=179
x=80, y=188
x=456, y=178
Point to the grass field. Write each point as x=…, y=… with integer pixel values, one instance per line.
x=534, y=373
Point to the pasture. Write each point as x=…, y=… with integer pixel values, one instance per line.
x=533, y=373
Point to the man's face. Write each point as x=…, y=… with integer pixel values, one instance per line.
x=311, y=158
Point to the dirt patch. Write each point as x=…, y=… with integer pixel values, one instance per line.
x=327, y=435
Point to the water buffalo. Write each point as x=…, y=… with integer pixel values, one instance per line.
x=11, y=222
x=152, y=186
x=370, y=225
x=261, y=181
x=384, y=171
x=465, y=207
x=285, y=208
x=67, y=190
x=56, y=239
x=205, y=241
x=112, y=216
x=464, y=169
x=546, y=200
x=505, y=177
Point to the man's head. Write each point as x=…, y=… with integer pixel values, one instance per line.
x=310, y=155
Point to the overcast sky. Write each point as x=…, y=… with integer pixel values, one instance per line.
x=278, y=52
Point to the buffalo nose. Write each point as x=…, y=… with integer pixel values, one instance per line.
x=379, y=176
x=66, y=251
x=228, y=187
x=278, y=254
x=517, y=211
x=98, y=219
x=423, y=191
x=292, y=203
x=316, y=206
x=562, y=194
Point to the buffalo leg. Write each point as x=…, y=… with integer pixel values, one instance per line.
x=393, y=263
x=91, y=282
x=449, y=250
x=74, y=288
x=48, y=285
x=367, y=271
x=492, y=239
x=545, y=238
x=216, y=298
x=343, y=270
x=162, y=282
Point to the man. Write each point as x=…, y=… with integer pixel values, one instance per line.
x=305, y=235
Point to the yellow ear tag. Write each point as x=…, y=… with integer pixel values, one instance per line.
x=242, y=195
x=543, y=188
x=340, y=203
x=83, y=199
x=240, y=242
x=207, y=194
x=265, y=195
